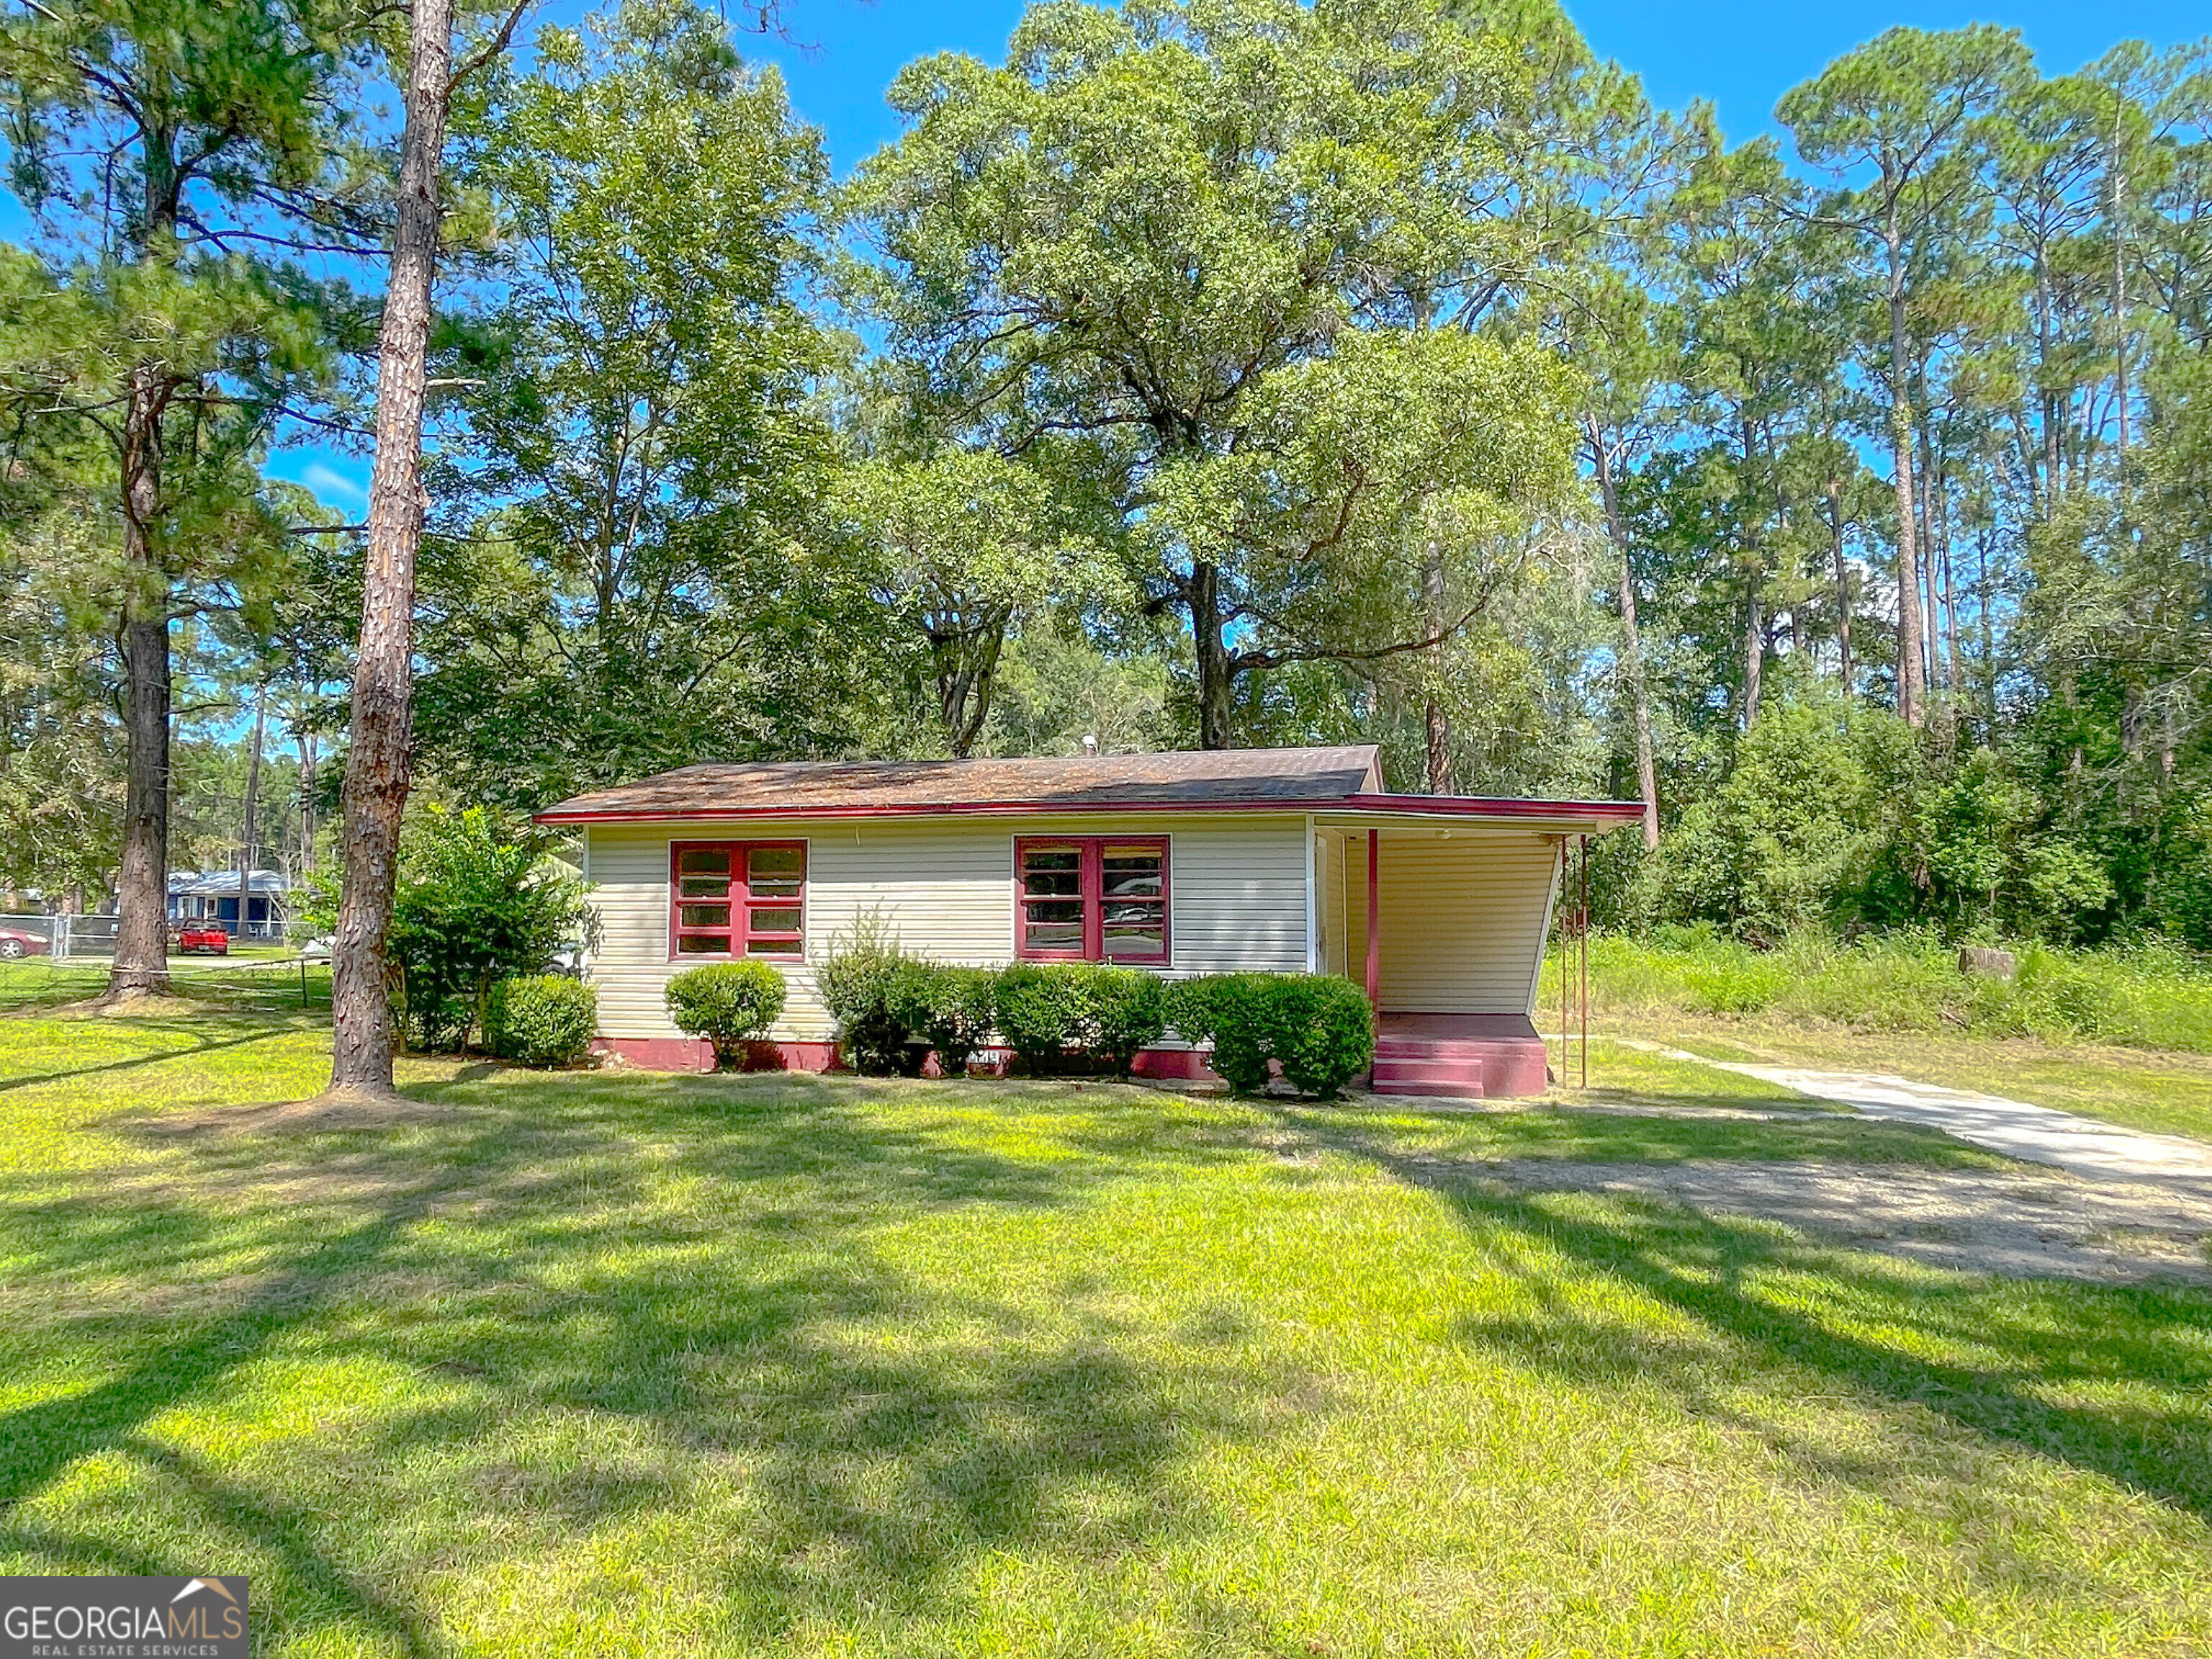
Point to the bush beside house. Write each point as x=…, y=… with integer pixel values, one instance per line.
x=952, y=1009
x=1044, y=1010
x=730, y=1004
x=1317, y=1028
x=477, y=900
x=1128, y=1013
x=541, y=1019
x=873, y=989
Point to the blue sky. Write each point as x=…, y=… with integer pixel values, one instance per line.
x=1741, y=54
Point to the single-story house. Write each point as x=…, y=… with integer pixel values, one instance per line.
x=212, y=896
x=1284, y=860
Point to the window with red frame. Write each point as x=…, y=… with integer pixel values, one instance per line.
x=738, y=898
x=1092, y=898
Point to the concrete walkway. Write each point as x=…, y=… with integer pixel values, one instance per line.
x=2036, y=1134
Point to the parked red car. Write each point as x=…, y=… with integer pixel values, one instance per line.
x=15, y=945
x=203, y=939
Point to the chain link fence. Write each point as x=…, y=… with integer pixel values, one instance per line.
x=60, y=938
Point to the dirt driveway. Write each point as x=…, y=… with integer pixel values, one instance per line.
x=2030, y=1224
x=2088, y=1200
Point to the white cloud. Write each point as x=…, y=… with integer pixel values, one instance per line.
x=328, y=483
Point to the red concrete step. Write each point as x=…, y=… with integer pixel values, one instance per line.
x=1469, y=1051
x=1396, y=1075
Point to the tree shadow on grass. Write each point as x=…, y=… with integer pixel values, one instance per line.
x=203, y=1043
x=1850, y=1322
x=601, y=1300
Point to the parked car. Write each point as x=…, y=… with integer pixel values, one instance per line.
x=15, y=945
x=203, y=939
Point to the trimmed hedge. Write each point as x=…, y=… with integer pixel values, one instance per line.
x=1128, y=1013
x=892, y=1009
x=1045, y=1010
x=1317, y=1028
x=541, y=1019
x=1225, y=1010
x=730, y=1004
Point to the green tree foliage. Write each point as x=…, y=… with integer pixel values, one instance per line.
x=961, y=548
x=1159, y=231
x=613, y=588
x=172, y=155
x=1215, y=371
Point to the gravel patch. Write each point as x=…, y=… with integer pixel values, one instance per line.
x=2021, y=1226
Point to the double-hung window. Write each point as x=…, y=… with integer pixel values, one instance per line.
x=738, y=898
x=1092, y=898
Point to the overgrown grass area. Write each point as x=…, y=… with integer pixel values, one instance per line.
x=2150, y=997
x=607, y=1363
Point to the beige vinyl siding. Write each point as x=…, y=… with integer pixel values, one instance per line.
x=1462, y=919
x=1236, y=890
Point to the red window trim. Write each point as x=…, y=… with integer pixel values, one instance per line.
x=741, y=903
x=1092, y=883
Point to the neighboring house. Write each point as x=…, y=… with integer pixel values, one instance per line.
x=1284, y=860
x=213, y=896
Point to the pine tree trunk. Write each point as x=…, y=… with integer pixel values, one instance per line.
x=1926, y=487
x=1954, y=661
x=383, y=688
x=1910, y=677
x=1435, y=723
x=251, y=808
x=1632, y=642
x=1843, y=584
x=1754, y=652
x=142, y=930
x=306, y=743
x=1989, y=639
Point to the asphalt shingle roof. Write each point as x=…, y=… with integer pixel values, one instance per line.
x=1213, y=778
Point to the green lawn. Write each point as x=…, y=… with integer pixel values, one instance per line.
x=622, y=1363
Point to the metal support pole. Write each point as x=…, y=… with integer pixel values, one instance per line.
x=1375, y=921
x=1582, y=931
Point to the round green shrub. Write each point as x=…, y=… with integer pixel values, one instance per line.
x=1128, y=1012
x=1044, y=1009
x=1322, y=1032
x=952, y=1008
x=730, y=1004
x=541, y=1019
